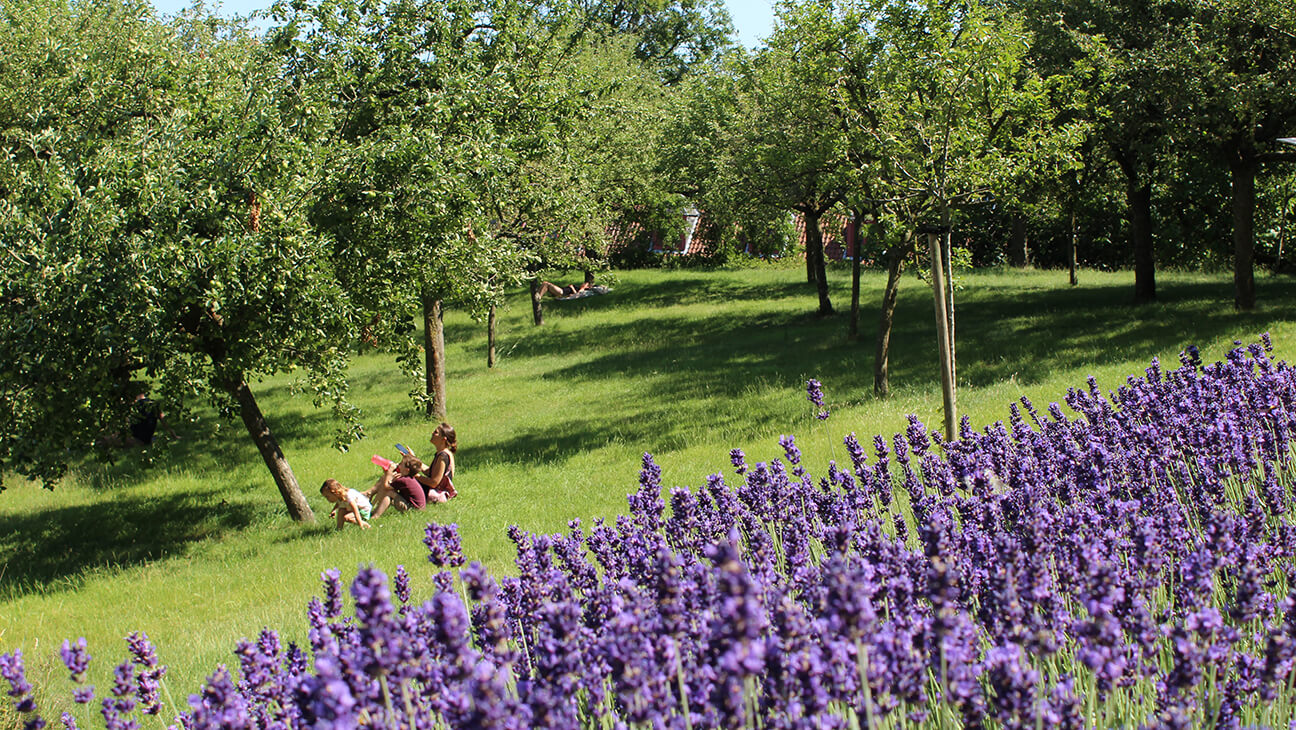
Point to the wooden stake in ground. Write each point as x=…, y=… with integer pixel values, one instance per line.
x=947, y=261
x=1071, y=250
x=490, y=338
x=853, y=332
x=935, y=234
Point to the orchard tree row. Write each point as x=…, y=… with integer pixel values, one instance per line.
x=192, y=204
x=1135, y=130
x=196, y=203
x=1130, y=130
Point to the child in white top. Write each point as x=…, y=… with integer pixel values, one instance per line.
x=348, y=504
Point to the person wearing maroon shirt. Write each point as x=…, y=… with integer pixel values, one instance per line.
x=411, y=484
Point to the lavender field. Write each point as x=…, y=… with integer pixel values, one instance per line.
x=1121, y=560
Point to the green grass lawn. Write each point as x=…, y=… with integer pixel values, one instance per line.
x=189, y=541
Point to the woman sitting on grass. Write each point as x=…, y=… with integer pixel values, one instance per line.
x=348, y=504
x=439, y=474
x=411, y=484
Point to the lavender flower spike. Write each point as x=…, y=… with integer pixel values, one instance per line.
x=11, y=669
x=76, y=659
x=443, y=545
x=739, y=460
x=814, y=394
x=332, y=592
x=402, y=584
x=150, y=673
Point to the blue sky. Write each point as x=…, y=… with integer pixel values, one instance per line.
x=752, y=18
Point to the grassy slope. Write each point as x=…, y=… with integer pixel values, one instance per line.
x=189, y=542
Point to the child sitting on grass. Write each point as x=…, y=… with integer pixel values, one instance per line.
x=399, y=487
x=348, y=504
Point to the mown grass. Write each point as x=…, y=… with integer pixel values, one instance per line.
x=189, y=542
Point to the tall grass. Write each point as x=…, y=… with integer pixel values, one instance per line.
x=188, y=541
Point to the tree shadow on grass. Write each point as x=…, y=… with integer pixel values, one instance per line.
x=650, y=326
x=202, y=446
x=121, y=533
x=683, y=289
x=207, y=447
x=695, y=364
x=1030, y=338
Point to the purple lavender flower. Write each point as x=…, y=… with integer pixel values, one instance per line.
x=916, y=435
x=814, y=394
x=326, y=699
x=739, y=461
x=1063, y=710
x=490, y=620
x=294, y=662
x=120, y=703
x=319, y=634
x=792, y=453
x=77, y=660
x=332, y=579
x=1014, y=684
x=493, y=704
x=402, y=584
x=646, y=504
x=150, y=672
x=443, y=546
x=1151, y=526
x=13, y=671
x=220, y=706
x=258, y=664
x=372, y=597
x=856, y=453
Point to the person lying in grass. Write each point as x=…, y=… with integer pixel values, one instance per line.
x=563, y=292
x=348, y=504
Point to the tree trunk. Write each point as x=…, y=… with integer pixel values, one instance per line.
x=1282, y=232
x=434, y=348
x=945, y=345
x=1138, y=201
x=1138, y=197
x=895, y=265
x=268, y=446
x=815, y=253
x=1243, y=165
x=537, y=309
x=853, y=332
x=1071, y=250
x=490, y=338
x=1018, y=242
x=254, y=212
